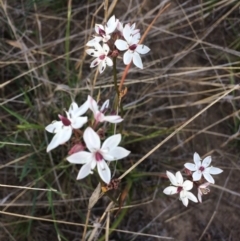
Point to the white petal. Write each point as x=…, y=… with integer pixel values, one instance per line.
x=127, y=32
x=54, y=127
x=95, y=62
x=113, y=118
x=105, y=49
x=98, y=27
x=184, y=201
x=104, y=105
x=172, y=178
x=104, y=171
x=80, y=157
x=82, y=109
x=179, y=178
x=191, y=196
x=197, y=175
x=208, y=178
x=127, y=57
x=92, y=104
x=187, y=185
x=73, y=108
x=206, y=161
x=60, y=138
x=117, y=153
x=94, y=41
x=121, y=44
x=84, y=171
x=92, y=52
x=142, y=49
x=137, y=60
x=197, y=159
x=99, y=116
x=111, y=24
x=111, y=142
x=109, y=61
x=170, y=190
x=199, y=196
x=91, y=139
x=79, y=122
x=102, y=66
x=190, y=166
x=215, y=170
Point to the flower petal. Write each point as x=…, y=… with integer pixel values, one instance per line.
x=187, y=185
x=60, y=138
x=191, y=196
x=137, y=60
x=197, y=175
x=102, y=66
x=54, y=127
x=82, y=109
x=104, y=171
x=142, y=49
x=108, y=61
x=91, y=139
x=92, y=52
x=190, y=166
x=94, y=41
x=111, y=142
x=215, y=170
x=111, y=24
x=95, y=62
x=117, y=153
x=170, y=190
x=121, y=44
x=199, y=196
x=208, y=178
x=79, y=122
x=127, y=57
x=184, y=201
x=80, y=157
x=206, y=161
x=92, y=104
x=113, y=118
x=84, y=171
x=197, y=159
x=104, y=106
x=73, y=108
x=179, y=178
x=172, y=178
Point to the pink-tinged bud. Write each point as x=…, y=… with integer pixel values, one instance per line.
x=65, y=121
x=76, y=148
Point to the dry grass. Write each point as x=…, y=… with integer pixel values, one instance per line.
x=185, y=100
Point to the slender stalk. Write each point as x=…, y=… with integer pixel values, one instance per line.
x=67, y=42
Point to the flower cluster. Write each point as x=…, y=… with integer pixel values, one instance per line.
x=200, y=175
x=116, y=38
x=98, y=154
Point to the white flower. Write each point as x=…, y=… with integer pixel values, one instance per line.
x=132, y=37
x=63, y=128
x=202, y=168
x=110, y=151
x=203, y=190
x=101, y=54
x=180, y=187
x=104, y=31
x=99, y=114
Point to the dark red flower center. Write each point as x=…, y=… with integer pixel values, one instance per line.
x=179, y=189
x=201, y=168
x=101, y=32
x=102, y=57
x=133, y=47
x=98, y=156
x=65, y=120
